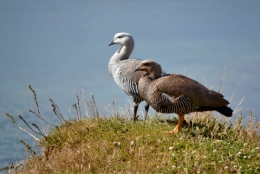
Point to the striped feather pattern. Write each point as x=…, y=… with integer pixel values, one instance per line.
x=163, y=103
x=125, y=77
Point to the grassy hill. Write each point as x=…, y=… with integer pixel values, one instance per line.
x=118, y=145
x=115, y=144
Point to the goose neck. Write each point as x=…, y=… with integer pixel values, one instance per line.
x=123, y=53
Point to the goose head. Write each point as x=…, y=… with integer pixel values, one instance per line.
x=123, y=39
x=151, y=68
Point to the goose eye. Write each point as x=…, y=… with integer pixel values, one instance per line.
x=119, y=36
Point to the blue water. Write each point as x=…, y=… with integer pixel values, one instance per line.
x=11, y=149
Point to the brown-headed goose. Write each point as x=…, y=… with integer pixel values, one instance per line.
x=175, y=93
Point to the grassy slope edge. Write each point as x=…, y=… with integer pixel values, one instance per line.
x=116, y=144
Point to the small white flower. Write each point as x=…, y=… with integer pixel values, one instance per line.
x=214, y=151
x=249, y=157
x=173, y=167
x=256, y=148
x=132, y=143
x=171, y=148
x=244, y=156
x=226, y=167
x=239, y=153
x=173, y=155
x=204, y=157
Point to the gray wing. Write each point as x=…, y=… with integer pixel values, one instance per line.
x=128, y=69
x=127, y=78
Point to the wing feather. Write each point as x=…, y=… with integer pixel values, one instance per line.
x=175, y=84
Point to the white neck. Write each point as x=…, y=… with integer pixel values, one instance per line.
x=123, y=53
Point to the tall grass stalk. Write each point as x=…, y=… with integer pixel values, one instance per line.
x=38, y=109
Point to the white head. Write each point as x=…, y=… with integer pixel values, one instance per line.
x=123, y=39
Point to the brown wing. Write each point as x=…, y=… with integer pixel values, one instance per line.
x=175, y=85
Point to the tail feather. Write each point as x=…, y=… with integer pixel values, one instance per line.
x=227, y=111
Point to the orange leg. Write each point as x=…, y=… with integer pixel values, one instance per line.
x=178, y=127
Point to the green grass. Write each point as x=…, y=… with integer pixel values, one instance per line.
x=206, y=144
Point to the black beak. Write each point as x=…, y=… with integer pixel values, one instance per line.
x=137, y=69
x=111, y=43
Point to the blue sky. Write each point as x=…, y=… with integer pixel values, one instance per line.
x=59, y=47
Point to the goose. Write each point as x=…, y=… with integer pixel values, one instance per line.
x=175, y=93
x=121, y=68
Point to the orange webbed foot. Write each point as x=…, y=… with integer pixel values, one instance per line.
x=178, y=127
x=174, y=131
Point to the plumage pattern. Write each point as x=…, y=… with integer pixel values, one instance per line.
x=174, y=93
x=125, y=79
x=179, y=105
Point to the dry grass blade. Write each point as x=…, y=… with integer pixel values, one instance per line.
x=38, y=109
x=79, y=114
x=11, y=117
x=39, y=133
x=57, y=112
x=93, y=107
x=29, y=148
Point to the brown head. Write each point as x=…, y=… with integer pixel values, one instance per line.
x=151, y=68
